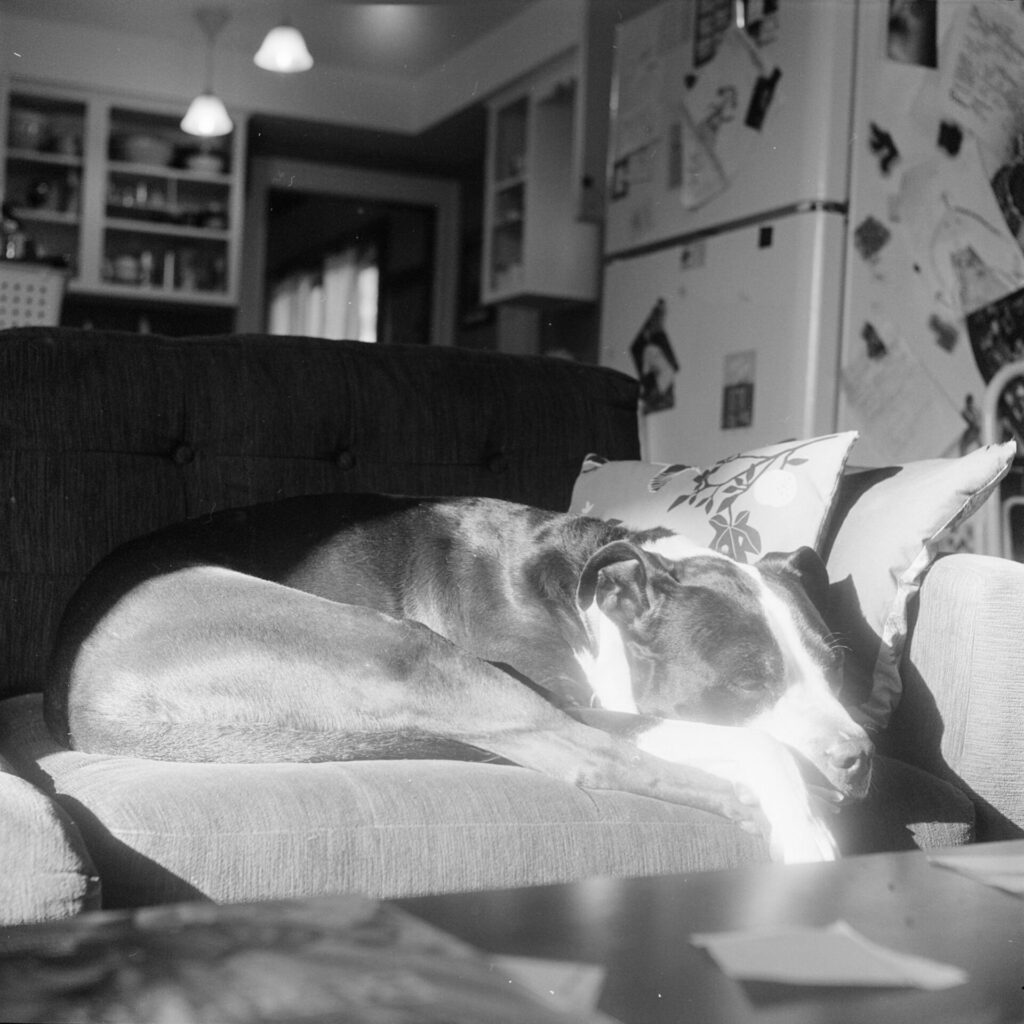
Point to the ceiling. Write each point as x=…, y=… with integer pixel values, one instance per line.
x=404, y=39
x=395, y=39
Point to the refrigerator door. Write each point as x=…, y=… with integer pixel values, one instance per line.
x=734, y=336
x=673, y=102
x=928, y=243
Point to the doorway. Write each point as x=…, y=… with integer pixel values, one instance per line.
x=338, y=267
x=316, y=226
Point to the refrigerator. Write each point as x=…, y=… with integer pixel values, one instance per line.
x=810, y=222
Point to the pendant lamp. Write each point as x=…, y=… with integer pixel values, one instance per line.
x=207, y=116
x=284, y=50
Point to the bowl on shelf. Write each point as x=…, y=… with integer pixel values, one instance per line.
x=28, y=128
x=140, y=148
x=205, y=163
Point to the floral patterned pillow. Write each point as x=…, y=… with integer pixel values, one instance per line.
x=777, y=498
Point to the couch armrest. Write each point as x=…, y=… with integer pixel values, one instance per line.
x=963, y=675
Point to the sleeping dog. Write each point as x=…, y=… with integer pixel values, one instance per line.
x=340, y=627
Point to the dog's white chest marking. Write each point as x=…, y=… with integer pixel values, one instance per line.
x=607, y=672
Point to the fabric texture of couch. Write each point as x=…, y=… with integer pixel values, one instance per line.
x=106, y=436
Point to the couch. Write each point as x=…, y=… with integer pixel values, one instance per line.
x=104, y=436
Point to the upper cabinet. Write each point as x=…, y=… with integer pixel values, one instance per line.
x=138, y=208
x=44, y=171
x=535, y=246
x=168, y=224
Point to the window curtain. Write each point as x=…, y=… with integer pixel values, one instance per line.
x=336, y=300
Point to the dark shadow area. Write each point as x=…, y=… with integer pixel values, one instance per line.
x=119, y=865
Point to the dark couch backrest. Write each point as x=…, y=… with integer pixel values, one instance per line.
x=106, y=436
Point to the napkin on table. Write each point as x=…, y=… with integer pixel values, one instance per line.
x=1003, y=869
x=833, y=955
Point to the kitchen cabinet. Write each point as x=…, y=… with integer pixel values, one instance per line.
x=139, y=209
x=535, y=247
x=43, y=173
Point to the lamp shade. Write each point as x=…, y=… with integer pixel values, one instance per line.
x=206, y=116
x=284, y=50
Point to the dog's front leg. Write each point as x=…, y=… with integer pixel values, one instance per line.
x=757, y=761
x=474, y=703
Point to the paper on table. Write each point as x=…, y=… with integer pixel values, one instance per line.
x=569, y=986
x=833, y=955
x=1000, y=870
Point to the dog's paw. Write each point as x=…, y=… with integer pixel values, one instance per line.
x=795, y=834
x=773, y=797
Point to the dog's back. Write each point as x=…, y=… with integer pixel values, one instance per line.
x=495, y=578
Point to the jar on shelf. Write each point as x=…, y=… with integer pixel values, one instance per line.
x=14, y=243
x=71, y=193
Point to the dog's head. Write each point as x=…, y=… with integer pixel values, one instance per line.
x=700, y=637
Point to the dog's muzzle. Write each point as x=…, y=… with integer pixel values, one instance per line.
x=847, y=765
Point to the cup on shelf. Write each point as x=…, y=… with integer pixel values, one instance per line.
x=126, y=269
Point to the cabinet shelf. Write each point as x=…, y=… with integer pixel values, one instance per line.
x=149, y=227
x=27, y=213
x=169, y=173
x=154, y=293
x=36, y=156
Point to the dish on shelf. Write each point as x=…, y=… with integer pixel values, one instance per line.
x=140, y=148
x=28, y=129
x=205, y=163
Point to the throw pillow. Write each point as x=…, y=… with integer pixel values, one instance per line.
x=886, y=532
x=776, y=498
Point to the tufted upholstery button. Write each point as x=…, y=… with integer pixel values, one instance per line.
x=345, y=460
x=183, y=454
x=497, y=463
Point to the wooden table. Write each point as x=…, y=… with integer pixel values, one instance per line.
x=638, y=929
x=347, y=959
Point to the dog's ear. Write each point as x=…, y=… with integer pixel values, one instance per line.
x=624, y=581
x=806, y=567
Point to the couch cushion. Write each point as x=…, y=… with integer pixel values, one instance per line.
x=45, y=871
x=776, y=498
x=163, y=831
x=963, y=699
